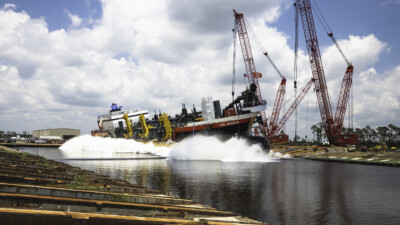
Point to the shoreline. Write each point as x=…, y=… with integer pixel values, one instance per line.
x=37, y=190
x=369, y=158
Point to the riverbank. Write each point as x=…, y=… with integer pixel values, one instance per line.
x=19, y=144
x=371, y=158
x=36, y=190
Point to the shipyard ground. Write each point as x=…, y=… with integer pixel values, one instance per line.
x=371, y=158
x=339, y=154
x=35, y=190
x=20, y=144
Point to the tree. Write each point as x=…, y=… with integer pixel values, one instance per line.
x=368, y=132
x=317, y=130
x=361, y=134
x=383, y=133
x=393, y=132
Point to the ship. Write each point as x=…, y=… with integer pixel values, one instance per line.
x=114, y=121
x=235, y=120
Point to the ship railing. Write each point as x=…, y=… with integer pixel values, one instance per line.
x=119, y=113
x=251, y=104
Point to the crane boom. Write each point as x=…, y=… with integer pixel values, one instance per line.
x=273, y=121
x=343, y=100
x=274, y=131
x=316, y=67
x=338, y=47
x=281, y=90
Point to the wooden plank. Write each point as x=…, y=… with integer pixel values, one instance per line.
x=119, y=204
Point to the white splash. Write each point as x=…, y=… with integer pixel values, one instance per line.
x=194, y=148
x=97, y=147
x=210, y=148
x=279, y=155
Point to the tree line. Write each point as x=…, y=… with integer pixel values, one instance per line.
x=9, y=134
x=368, y=136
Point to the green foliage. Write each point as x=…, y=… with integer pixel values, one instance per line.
x=80, y=181
x=370, y=137
x=367, y=136
x=318, y=131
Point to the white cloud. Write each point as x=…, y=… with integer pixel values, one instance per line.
x=9, y=7
x=368, y=86
x=378, y=98
x=273, y=14
x=149, y=55
x=361, y=51
x=76, y=21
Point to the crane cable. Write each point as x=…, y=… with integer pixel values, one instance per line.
x=262, y=48
x=253, y=34
x=296, y=48
x=234, y=61
x=320, y=15
x=307, y=121
x=328, y=30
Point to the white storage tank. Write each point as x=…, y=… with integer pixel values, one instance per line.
x=207, y=107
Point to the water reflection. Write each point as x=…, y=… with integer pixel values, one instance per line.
x=282, y=192
x=153, y=174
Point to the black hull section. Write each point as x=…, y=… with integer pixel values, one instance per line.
x=262, y=141
x=223, y=133
x=240, y=130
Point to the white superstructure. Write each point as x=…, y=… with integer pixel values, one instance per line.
x=113, y=120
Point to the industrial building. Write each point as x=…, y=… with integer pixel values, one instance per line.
x=55, y=133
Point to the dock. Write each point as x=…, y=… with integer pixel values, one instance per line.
x=370, y=158
x=35, y=190
x=29, y=145
x=339, y=154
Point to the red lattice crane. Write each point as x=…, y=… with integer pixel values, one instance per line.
x=274, y=130
x=267, y=130
x=253, y=75
x=333, y=127
x=273, y=120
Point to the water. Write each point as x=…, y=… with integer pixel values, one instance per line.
x=235, y=177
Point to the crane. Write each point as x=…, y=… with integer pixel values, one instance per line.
x=273, y=119
x=332, y=126
x=268, y=130
x=253, y=75
x=274, y=131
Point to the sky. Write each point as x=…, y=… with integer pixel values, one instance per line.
x=62, y=63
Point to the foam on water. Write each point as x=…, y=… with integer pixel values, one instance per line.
x=279, y=155
x=86, y=146
x=194, y=148
x=210, y=148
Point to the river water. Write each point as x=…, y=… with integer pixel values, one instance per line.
x=243, y=179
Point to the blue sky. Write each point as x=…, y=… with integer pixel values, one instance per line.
x=134, y=52
x=54, y=11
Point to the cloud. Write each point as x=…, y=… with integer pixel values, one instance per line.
x=358, y=50
x=368, y=85
x=152, y=55
x=377, y=99
x=76, y=21
x=8, y=7
x=361, y=51
x=23, y=41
